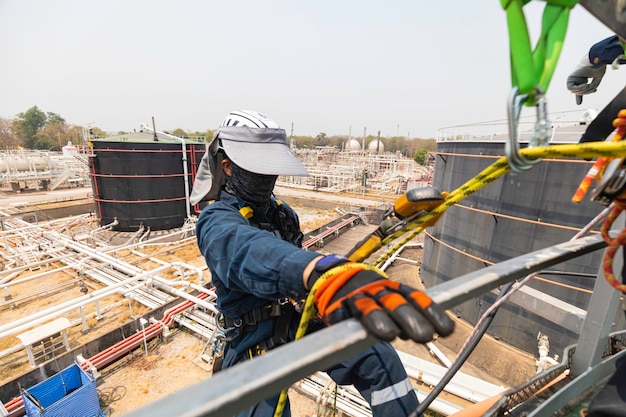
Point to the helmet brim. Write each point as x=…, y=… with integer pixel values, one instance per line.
x=260, y=150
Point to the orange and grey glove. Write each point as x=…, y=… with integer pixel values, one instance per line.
x=386, y=308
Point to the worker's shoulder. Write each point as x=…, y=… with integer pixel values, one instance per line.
x=605, y=51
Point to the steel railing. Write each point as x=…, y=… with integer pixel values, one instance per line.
x=250, y=382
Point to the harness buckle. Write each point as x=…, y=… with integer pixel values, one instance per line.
x=226, y=323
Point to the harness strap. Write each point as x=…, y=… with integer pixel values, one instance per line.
x=258, y=314
x=280, y=336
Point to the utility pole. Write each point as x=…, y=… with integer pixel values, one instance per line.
x=155, y=137
x=364, y=135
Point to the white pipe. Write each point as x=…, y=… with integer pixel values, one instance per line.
x=128, y=242
x=114, y=223
x=44, y=262
x=31, y=277
x=144, y=236
x=210, y=306
x=25, y=226
x=439, y=354
x=462, y=385
x=54, y=311
x=106, y=259
x=397, y=253
x=150, y=242
x=146, y=256
x=188, y=284
x=199, y=269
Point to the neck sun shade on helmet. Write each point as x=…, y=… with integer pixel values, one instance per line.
x=250, y=140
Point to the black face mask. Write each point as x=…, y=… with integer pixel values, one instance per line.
x=253, y=188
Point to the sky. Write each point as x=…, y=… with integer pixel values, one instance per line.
x=341, y=67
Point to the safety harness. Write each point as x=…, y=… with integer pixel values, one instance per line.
x=278, y=220
x=282, y=222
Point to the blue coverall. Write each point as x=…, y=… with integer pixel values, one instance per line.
x=600, y=54
x=251, y=267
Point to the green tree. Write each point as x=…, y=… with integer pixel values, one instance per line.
x=180, y=133
x=53, y=118
x=7, y=135
x=28, y=124
x=96, y=132
x=420, y=156
x=321, y=139
x=415, y=145
x=304, y=142
x=49, y=137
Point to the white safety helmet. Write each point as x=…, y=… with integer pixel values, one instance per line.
x=251, y=140
x=249, y=118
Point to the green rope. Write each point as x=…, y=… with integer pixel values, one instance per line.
x=532, y=69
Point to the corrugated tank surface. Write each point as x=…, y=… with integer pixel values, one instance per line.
x=473, y=234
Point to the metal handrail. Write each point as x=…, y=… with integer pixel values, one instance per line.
x=250, y=382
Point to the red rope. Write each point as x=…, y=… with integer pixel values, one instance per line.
x=614, y=245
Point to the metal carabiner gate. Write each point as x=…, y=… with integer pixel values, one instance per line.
x=540, y=137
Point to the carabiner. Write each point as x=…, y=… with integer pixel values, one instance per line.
x=542, y=127
x=516, y=161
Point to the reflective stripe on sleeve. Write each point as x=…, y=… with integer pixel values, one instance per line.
x=393, y=392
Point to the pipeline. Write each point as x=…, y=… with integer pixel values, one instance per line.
x=15, y=407
x=335, y=229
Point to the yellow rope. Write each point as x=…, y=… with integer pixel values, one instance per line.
x=309, y=311
x=487, y=176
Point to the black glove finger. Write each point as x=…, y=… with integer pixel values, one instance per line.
x=373, y=317
x=444, y=325
x=436, y=315
x=413, y=325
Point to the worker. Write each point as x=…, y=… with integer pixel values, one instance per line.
x=252, y=245
x=586, y=78
x=610, y=401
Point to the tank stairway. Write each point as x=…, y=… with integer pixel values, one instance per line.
x=29, y=255
x=198, y=321
x=82, y=159
x=60, y=180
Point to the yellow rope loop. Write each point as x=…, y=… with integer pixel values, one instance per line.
x=485, y=177
x=495, y=171
x=309, y=311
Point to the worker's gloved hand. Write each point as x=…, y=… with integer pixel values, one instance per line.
x=586, y=78
x=386, y=308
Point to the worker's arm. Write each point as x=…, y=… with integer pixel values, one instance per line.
x=589, y=72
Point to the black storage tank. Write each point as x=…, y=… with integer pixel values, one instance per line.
x=140, y=181
x=519, y=213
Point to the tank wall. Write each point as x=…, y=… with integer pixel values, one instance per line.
x=542, y=193
x=142, y=183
